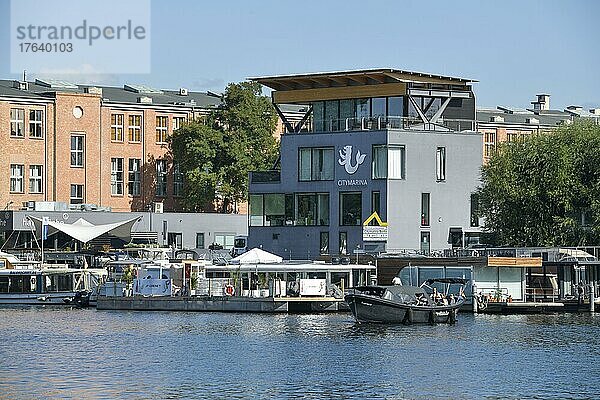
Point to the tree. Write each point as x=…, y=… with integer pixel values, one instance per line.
x=544, y=190
x=215, y=155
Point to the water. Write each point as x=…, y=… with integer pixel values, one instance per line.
x=59, y=353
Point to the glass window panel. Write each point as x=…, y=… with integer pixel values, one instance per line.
x=289, y=209
x=379, y=162
x=331, y=115
x=425, y=206
x=323, y=208
x=343, y=248
x=256, y=210
x=440, y=163
x=395, y=106
x=346, y=112
x=307, y=209
x=274, y=204
x=362, y=108
x=351, y=208
x=396, y=162
x=305, y=164
x=318, y=116
x=200, y=240
x=324, y=243
x=378, y=107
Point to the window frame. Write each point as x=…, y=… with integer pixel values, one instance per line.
x=440, y=164
x=35, y=124
x=15, y=121
x=311, y=151
x=134, y=131
x=79, y=198
x=341, y=205
x=17, y=179
x=79, y=160
x=117, y=130
x=116, y=176
x=162, y=129
x=425, y=210
x=161, y=178
x=178, y=181
x=136, y=182
x=387, y=147
x=36, y=179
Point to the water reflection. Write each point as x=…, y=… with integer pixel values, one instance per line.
x=56, y=353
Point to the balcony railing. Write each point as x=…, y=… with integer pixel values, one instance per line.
x=265, y=177
x=379, y=123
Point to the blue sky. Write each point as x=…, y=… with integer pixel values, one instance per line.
x=514, y=48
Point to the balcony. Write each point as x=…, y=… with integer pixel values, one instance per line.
x=265, y=177
x=380, y=123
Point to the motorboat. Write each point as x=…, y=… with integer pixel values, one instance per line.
x=407, y=304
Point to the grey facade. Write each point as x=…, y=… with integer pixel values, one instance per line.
x=418, y=173
x=180, y=230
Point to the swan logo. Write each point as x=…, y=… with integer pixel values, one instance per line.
x=345, y=159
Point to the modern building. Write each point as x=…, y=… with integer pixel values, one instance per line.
x=82, y=144
x=402, y=144
x=507, y=124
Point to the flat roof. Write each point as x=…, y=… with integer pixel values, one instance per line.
x=354, y=78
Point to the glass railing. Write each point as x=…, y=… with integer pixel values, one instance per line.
x=382, y=122
x=265, y=177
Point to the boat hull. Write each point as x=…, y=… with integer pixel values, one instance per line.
x=373, y=309
x=55, y=299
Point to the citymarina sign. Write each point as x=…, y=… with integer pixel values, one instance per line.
x=351, y=162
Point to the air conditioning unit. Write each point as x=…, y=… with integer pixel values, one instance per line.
x=183, y=92
x=158, y=208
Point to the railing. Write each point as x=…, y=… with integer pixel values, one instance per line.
x=265, y=177
x=390, y=122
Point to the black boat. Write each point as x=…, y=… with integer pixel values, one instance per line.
x=407, y=304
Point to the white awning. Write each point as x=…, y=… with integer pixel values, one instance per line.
x=85, y=231
x=257, y=256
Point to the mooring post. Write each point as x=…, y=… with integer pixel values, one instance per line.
x=474, y=299
x=592, y=297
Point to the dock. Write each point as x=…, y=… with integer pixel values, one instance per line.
x=222, y=304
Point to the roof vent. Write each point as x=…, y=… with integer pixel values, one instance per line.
x=93, y=90
x=144, y=100
x=183, y=92
x=496, y=118
x=141, y=89
x=21, y=85
x=532, y=120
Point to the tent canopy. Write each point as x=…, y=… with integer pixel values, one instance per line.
x=84, y=231
x=257, y=256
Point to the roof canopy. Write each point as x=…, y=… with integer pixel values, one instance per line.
x=354, y=78
x=84, y=231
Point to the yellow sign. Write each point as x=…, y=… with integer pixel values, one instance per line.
x=375, y=217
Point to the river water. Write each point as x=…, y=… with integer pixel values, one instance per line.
x=60, y=353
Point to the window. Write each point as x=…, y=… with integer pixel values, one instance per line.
x=77, y=150
x=378, y=107
x=162, y=129
x=351, y=208
x=395, y=107
x=316, y=164
x=324, y=243
x=116, y=176
x=474, y=209
x=178, y=122
x=177, y=180
x=135, y=165
x=76, y=194
x=425, y=240
x=225, y=240
x=425, y=204
x=16, y=178
x=312, y=209
x=343, y=243
x=200, y=240
x=375, y=205
x=174, y=240
x=17, y=122
x=116, y=127
x=36, y=123
x=440, y=164
x=135, y=128
x=389, y=162
x=35, y=179
x=489, y=143
x=161, y=178
x=256, y=210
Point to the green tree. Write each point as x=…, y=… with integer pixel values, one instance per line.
x=545, y=190
x=216, y=154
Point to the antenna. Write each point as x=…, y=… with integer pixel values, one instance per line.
x=24, y=75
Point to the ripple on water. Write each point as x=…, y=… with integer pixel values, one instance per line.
x=58, y=353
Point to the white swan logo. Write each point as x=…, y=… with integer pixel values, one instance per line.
x=345, y=159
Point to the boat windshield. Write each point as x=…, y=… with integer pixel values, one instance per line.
x=406, y=294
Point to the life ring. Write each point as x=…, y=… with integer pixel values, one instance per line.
x=229, y=290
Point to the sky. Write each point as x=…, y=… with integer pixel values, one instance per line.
x=515, y=49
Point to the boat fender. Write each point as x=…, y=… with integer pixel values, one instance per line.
x=229, y=290
x=408, y=317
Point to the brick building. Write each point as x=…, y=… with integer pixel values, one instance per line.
x=83, y=144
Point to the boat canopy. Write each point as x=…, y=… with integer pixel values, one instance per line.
x=458, y=281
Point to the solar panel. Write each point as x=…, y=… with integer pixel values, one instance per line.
x=141, y=89
x=55, y=83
